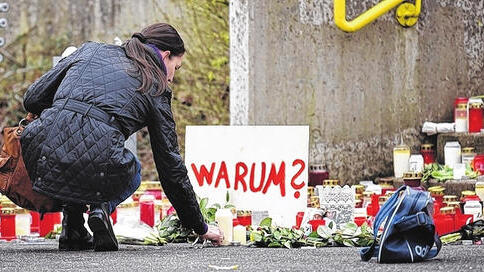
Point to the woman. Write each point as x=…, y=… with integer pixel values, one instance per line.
x=88, y=105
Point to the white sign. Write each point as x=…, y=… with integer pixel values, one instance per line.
x=264, y=168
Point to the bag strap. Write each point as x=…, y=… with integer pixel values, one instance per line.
x=434, y=251
x=413, y=221
x=368, y=252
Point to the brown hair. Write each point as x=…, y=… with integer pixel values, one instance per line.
x=165, y=38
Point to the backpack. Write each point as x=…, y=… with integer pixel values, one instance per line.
x=409, y=232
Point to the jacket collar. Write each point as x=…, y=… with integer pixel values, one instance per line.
x=161, y=63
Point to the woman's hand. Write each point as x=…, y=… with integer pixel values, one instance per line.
x=214, y=234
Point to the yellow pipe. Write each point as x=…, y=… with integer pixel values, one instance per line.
x=368, y=16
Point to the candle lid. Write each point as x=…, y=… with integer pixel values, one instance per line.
x=138, y=193
x=461, y=106
x=383, y=198
x=128, y=205
x=19, y=210
x=480, y=185
x=455, y=204
x=412, y=175
x=149, y=185
x=385, y=181
x=368, y=193
x=316, y=167
x=437, y=193
x=447, y=210
x=426, y=146
x=7, y=211
x=449, y=198
x=8, y=205
x=436, y=188
x=359, y=187
x=244, y=213
x=468, y=149
x=475, y=105
x=330, y=182
x=358, y=196
x=467, y=193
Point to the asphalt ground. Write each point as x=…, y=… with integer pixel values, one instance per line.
x=182, y=257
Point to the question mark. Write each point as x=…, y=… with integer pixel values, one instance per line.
x=297, y=194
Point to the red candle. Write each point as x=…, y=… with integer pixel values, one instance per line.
x=35, y=224
x=153, y=188
x=147, y=209
x=317, y=174
x=475, y=117
x=445, y=222
x=478, y=163
x=428, y=153
x=48, y=222
x=7, y=224
x=438, y=203
x=114, y=216
x=245, y=218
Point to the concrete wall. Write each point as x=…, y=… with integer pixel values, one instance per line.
x=358, y=91
x=82, y=20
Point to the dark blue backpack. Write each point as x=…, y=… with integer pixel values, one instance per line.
x=408, y=232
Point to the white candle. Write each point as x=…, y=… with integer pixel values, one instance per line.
x=224, y=220
x=240, y=234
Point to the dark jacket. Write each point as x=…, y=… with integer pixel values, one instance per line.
x=73, y=156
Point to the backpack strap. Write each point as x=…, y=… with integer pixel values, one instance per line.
x=368, y=252
x=413, y=221
x=434, y=251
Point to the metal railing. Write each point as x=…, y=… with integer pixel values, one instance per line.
x=4, y=7
x=406, y=14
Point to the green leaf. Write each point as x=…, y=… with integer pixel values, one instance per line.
x=348, y=243
x=324, y=232
x=229, y=206
x=227, y=197
x=288, y=244
x=256, y=236
x=277, y=235
x=274, y=244
x=266, y=222
x=203, y=203
x=313, y=234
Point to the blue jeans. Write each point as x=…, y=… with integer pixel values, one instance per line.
x=132, y=187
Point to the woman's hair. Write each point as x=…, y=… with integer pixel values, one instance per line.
x=139, y=49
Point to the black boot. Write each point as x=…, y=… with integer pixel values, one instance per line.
x=104, y=238
x=74, y=235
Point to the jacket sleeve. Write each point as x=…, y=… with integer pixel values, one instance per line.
x=40, y=94
x=171, y=168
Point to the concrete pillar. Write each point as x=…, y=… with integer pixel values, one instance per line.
x=359, y=92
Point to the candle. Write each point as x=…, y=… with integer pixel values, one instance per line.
x=224, y=219
x=147, y=209
x=7, y=224
x=48, y=222
x=22, y=222
x=240, y=234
